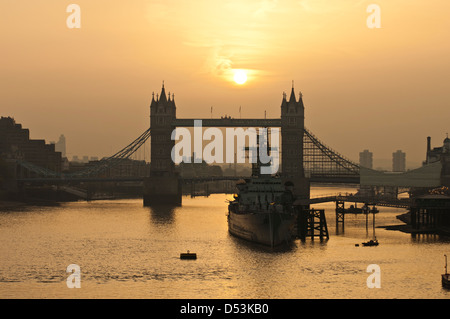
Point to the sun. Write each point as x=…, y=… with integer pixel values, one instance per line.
x=240, y=76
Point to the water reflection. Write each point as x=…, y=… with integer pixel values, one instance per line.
x=417, y=238
x=162, y=214
x=130, y=251
x=241, y=244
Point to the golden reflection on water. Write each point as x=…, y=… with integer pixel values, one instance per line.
x=125, y=250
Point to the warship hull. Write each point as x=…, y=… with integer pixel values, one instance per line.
x=266, y=228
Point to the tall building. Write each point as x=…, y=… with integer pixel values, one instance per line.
x=366, y=159
x=60, y=146
x=399, y=161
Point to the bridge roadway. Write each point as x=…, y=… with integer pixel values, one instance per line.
x=61, y=180
x=377, y=201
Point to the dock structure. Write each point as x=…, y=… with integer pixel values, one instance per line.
x=431, y=214
x=370, y=201
x=340, y=213
x=312, y=223
x=341, y=209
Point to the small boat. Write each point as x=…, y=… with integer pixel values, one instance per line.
x=372, y=242
x=446, y=276
x=188, y=255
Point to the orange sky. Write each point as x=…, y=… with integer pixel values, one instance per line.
x=382, y=89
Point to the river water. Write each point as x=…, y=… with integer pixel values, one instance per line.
x=125, y=250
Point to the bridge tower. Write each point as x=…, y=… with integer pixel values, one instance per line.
x=292, y=132
x=164, y=185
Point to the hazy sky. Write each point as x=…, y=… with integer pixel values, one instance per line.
x=382, y=89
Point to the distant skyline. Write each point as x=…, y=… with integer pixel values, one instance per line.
x=378, y=89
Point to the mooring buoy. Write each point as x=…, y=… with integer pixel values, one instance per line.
x=188, y=255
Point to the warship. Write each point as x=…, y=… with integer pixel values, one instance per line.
x=262, y=210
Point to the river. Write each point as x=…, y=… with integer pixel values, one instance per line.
x=125, y=250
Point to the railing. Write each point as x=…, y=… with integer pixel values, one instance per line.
x=377, y=201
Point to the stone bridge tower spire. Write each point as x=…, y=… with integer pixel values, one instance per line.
x=162, y=115
x=292, y=132
x=163, y=186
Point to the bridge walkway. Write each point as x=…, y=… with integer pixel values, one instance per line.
x=376, y=201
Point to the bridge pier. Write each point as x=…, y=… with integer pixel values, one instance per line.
x=162, y=190
x=301, y=186
x=340, y=214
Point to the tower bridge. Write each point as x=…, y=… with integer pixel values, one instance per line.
x=298, y=146
x=304, y=157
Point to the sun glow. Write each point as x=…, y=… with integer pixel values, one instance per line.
x=240, y=77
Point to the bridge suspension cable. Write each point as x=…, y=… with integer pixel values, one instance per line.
x=115, y=159
x=96, y=169
x=319, y=159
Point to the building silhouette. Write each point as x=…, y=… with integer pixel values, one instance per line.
x=60, y=146
x=16, y=145
x=440, y=154
x=399, y=161
x=437, y=153
x=366, y=159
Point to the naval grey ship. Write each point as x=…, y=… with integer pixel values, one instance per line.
x=261, y=211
